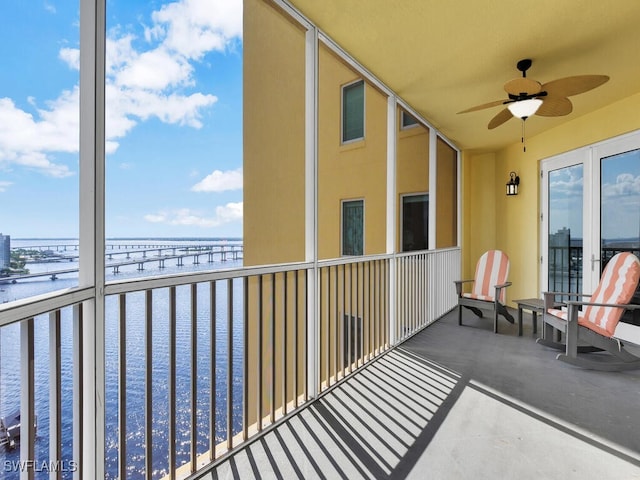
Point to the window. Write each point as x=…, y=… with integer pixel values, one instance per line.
x=353, y=227
x=407, y=121
x=353, y=111
x=415, y=222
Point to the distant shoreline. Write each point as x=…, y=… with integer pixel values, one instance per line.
x=205, y=239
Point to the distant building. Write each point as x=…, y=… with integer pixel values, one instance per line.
x=5, y=251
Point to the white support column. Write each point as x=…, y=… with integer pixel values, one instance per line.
x=392, y=108
x=311, y=208
x=459, y=197
x=92, y=262
x=433, y=172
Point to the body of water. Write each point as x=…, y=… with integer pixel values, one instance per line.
x=135, y=349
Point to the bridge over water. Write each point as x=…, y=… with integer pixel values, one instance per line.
x=224, y=251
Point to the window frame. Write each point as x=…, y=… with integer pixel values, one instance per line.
x=342, y=232
x=402, y=197
x=404, y=115
x=343, y=89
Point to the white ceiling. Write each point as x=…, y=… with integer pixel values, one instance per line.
x=446, y=56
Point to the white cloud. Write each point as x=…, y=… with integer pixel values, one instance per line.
x=4, y=185
x=193, y=27
x=154, y=70
x=231, y=212
x=155, y=218
x=141, y=83
x=70, y=56
x=626, y=184
x=24, y=140
x=219, y=181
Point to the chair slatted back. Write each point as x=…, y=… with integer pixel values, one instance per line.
x=492, y=269
x=617, y=285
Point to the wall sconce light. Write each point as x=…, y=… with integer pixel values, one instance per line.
x=512, y=184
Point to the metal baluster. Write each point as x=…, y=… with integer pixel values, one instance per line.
x=356, y=319
x=343, y=319
x=284, y=344
x=27, y=407
x=366, y=324
x=259, y=356
x=212, y=371
x=55, y=392
x=77, y=389
x=350, y=316
x=305, y=350
x=295, y=339
x=172, y=382
x=194, y=377
x=324, y=352
x=229, y=364
x=272, y=336
x=245, y=375
x=384, y=303
x=148, y=385
x=122, y=387
x=336, y=315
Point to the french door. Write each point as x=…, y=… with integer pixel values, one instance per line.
x=590, y=211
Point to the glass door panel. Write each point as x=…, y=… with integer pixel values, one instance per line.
x=620, y=210
x=565, y=229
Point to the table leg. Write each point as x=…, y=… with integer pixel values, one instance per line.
x=534, y=314
x=519, y=321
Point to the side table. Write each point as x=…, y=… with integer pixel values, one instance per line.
x=535, y=306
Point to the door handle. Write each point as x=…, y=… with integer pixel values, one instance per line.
x=594, y=260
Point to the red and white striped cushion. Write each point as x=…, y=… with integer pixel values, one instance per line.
x=617, y=285
x=492, y=269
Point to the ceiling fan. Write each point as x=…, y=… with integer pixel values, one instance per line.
x=528, y=97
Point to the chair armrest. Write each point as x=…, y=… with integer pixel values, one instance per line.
x=550, y=298
x=496, y=297
x=458, y=284
x=626, y=306
x=568, y=294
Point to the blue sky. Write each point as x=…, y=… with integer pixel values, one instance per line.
x=174, y=118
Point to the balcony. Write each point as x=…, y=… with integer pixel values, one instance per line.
x=162, y=377
x=320, y=371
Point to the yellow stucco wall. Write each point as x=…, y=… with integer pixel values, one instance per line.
x=352, y=171
x=274, y=155
x=493, y=220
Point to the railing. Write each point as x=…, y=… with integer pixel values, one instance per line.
x=196, y=365
x=565, y=269
x=566, y=264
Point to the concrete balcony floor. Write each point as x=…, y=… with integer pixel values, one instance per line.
x=459, y=403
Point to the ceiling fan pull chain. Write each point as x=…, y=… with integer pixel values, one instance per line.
x=524, y=145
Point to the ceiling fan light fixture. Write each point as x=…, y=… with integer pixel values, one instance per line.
x=524, y=108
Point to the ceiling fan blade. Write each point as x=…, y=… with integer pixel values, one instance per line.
x=484, y=105
x=500, y=118
x=565, y=87
x=553, y=106
x=519, y=86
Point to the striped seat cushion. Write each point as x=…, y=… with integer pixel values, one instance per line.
x=487, y=298
x=492, y=269
x=617, y=285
